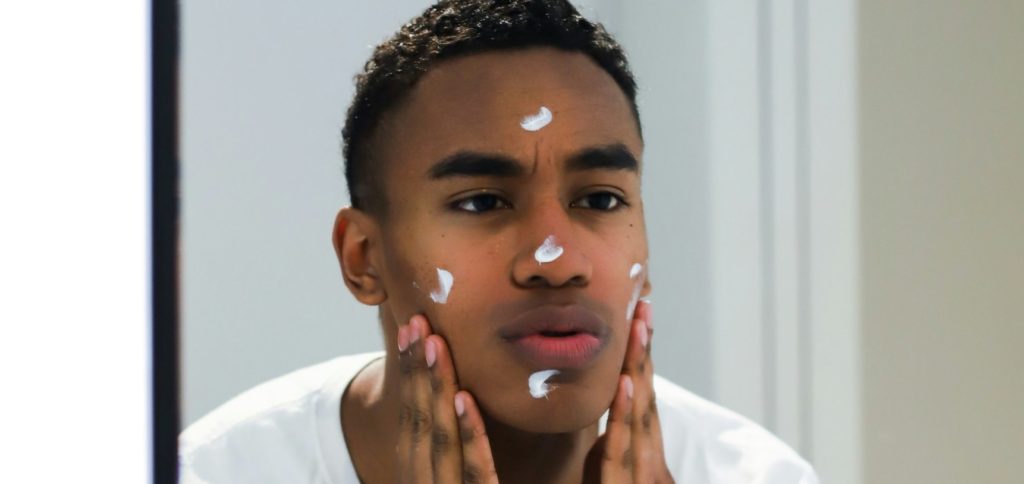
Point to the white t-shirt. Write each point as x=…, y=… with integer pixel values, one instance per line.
x=288, y=430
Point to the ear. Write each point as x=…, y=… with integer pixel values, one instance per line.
x=353, y=236
x=646, y=290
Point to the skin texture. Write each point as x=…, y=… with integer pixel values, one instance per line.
x=404, y=405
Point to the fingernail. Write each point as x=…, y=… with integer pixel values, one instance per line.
x=629, y=387
x=649, y=314
x=643, y=337
x=431, y=353
x=414, y=332
x=460, y=406
x=403, y=338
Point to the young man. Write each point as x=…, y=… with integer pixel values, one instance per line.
x=493, y=155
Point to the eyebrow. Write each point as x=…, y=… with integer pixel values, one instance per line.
x=476, y=164
x=608, y=157
x=471, y=163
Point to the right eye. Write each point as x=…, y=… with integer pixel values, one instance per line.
x=481, y=203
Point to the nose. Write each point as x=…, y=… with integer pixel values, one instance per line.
x=550, y=255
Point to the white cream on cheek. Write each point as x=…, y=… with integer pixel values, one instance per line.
x=539, y=387
x=536, y=122
x=634, y=271
x=548, y=251
x=445, y=280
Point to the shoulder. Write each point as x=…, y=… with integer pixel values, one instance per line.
x=269, y=428
x=705, y=442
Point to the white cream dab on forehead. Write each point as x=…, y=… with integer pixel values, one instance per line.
x=548, y=251
x=535, y=122
x=539, y=387
x=445, y=281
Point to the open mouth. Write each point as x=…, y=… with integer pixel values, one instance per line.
x=558, y=334
x=563, y=337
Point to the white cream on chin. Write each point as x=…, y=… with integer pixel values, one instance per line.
x=539, y=387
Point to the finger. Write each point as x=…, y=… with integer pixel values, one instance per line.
x=446, y=447
x=477, y=460
x=635, y=362
x=415, y=416
x=617, y=455
x=646, y=434
x=405, y=471
x=645, y=311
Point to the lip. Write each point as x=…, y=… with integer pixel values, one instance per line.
x=564, y=337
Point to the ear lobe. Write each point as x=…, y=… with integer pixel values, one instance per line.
x=646, y=290
x=352, y=236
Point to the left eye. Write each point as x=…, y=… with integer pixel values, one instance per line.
x=606, y=201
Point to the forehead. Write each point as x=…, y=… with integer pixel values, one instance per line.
x=476, y=102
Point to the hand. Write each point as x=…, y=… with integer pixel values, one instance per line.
x=442, y=437
x=631, y=448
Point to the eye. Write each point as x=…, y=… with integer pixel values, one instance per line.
x=605, y=201
x=481, y=203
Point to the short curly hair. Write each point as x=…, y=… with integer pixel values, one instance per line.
x=452, y=28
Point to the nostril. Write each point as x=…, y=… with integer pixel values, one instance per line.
x=536, y=281
x=577, y=281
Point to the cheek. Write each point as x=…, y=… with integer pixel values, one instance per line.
x=456, y=295
x=619, y=279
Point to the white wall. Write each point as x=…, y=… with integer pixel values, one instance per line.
x=265, y=86
x=942, y=203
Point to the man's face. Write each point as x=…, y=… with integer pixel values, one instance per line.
x=536, y=223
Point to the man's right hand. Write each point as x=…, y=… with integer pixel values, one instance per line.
x=442, y=438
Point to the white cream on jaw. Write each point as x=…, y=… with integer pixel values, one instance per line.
x=634, y=271
x=548, y=251
x=538, y=383
x=535, y=122
x=445, y=281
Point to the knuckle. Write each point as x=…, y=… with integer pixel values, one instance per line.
x=436, y=384
x=646, y=421
x=627, y=458
x=405, y=364
x=404, y=415
x=472, y=433
x=441, y=440
x=472, y=474
x=607, y=455
x=421, y=423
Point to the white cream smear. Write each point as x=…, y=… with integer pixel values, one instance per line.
x=535, y=122
x=634, y=271
x=539, y=387
x=548, y=251
x=445, y=280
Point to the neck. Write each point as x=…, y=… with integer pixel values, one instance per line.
x=530, y=457
x=369, y=415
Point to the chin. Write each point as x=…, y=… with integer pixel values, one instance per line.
x=568, y=408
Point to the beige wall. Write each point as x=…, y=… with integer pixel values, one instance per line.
x=942, y=207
